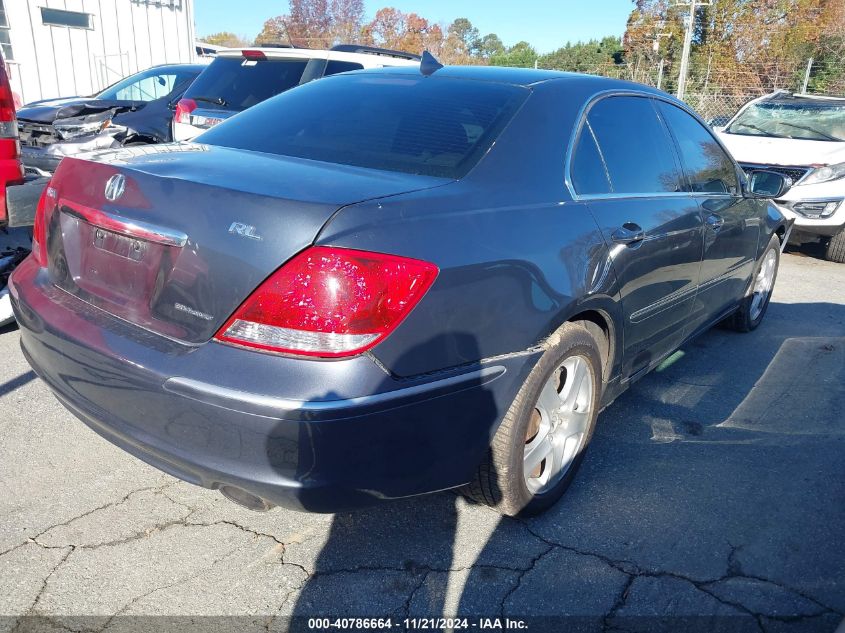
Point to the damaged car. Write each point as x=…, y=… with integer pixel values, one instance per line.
x=135, y=110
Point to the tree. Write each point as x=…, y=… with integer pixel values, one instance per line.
x=275, y=31
x=391, y=28
x=464, y=37
x=316, y=23
x=521, y=54
x=347, y=18
x=490, y=45
x=225, y=38
x=593, y=56
x=738, y=46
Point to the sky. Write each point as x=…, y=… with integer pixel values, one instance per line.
x=546, y=24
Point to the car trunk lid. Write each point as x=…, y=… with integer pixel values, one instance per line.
x=174, y=238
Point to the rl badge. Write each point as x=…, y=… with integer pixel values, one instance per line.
x=244, y=230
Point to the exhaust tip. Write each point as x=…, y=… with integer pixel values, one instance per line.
x=246, y=499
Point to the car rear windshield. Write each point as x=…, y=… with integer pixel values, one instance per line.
x=408, y=123
x=236, y=84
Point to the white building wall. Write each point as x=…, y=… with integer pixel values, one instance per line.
x=126, y=36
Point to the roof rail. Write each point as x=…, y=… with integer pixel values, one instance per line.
x=374, y=50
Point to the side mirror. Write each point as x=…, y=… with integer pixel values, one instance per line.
x=767, y=184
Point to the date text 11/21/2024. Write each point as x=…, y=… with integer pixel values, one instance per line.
x=422, y=624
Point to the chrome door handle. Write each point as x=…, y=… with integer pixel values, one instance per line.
x=628, y=233
x=715, y=222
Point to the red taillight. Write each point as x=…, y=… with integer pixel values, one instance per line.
x=254, y=55
x=330, y=302
x=7, y=106
x=184, y=109
x=11, y=168
x=39, y=232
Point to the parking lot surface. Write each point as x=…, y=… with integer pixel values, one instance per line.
x=714, y=488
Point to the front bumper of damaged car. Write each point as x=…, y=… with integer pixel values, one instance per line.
x=71, y=137
x=818, y=209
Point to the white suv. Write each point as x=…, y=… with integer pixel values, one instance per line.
x=803, y=138
x=238, y=79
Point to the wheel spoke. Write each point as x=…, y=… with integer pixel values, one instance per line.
x=576, y=374
x=564, y=450
x=577, y=421
x=549, y=401
x=536, y=451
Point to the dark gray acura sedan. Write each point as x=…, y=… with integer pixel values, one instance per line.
x=389, y=283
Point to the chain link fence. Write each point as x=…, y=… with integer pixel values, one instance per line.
x=719, y=101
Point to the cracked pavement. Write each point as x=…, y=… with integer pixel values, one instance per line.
x=713, y=490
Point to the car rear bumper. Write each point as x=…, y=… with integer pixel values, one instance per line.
x=315, y=435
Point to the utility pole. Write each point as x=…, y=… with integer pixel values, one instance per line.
x=807, y=76
x=656, y=46
x=682, y=79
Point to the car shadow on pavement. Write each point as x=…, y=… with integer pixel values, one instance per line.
x=712, y=492
x=10, y=385
x=407, y=544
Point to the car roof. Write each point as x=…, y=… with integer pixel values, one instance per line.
x=524, y=77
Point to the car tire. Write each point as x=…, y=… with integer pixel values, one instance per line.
x=835, y=250
x=754, y=304
x=572, y=355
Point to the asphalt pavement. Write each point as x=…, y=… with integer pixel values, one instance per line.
x=713, y=495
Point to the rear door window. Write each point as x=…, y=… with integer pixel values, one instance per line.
x=237, y=84
x=636, y=146
x=406, y=123
x=708, y=167
x=589, y=175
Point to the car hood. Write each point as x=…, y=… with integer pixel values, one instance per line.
x=768, y=150
x=53, y=109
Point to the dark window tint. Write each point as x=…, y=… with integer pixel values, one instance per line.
x=635, y=145
x=705, y=162
x=409, y=123
x=241, y=83
x=588, y=172
x=334, y=67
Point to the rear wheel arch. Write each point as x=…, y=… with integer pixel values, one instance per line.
x=600, y=322
x=600, y=325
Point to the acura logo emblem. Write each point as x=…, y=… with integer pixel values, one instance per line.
x=115, y=187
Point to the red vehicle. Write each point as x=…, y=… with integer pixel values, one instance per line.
x=11, y=169
x=11, y=173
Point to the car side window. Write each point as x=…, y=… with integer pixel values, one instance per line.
x=636, y=147
x=148, y=88
x=334, y=66
x=708, y=167
x=589, y=175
